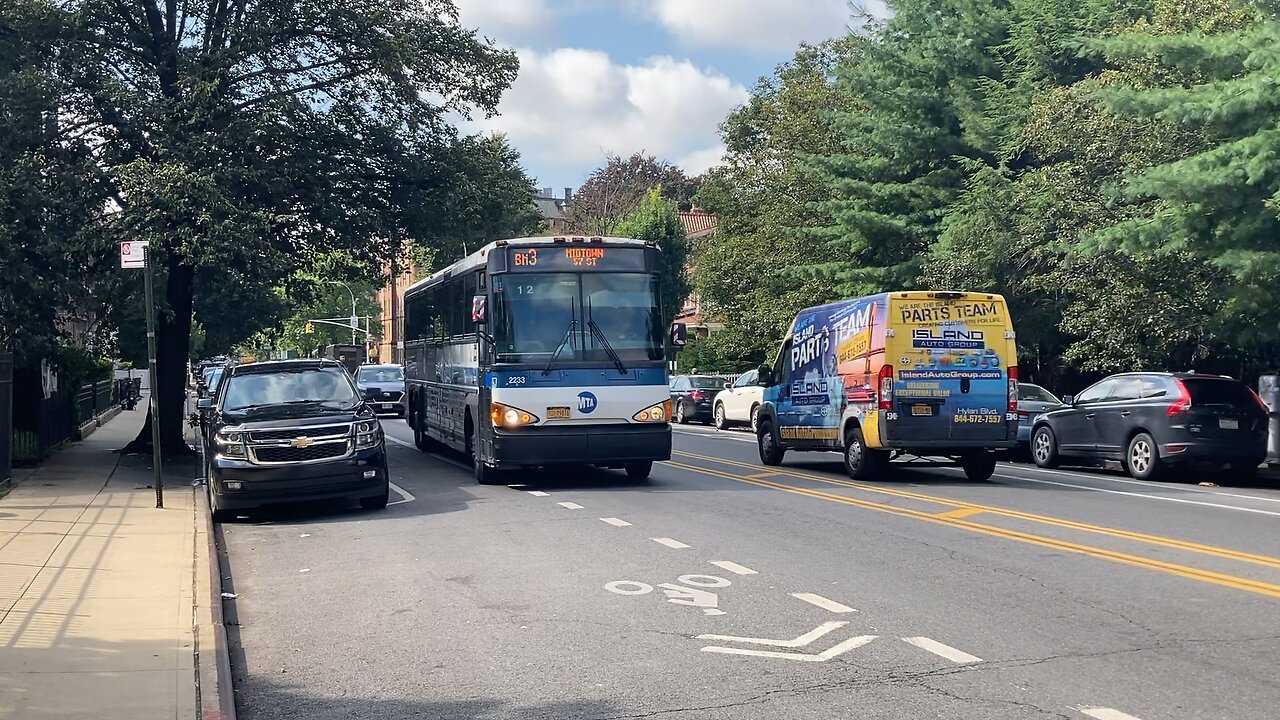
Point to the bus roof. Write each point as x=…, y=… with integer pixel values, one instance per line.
x=481, y=256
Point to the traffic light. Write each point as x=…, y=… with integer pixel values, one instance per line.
x=310, y=328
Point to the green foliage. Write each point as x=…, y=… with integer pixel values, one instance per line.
x=752, y=273
x=655, y=220
x=618, y=187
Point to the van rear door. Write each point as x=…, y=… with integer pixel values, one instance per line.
x=952, y=354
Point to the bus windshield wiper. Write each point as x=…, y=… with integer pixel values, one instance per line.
x=568, y=337
x=604, y=341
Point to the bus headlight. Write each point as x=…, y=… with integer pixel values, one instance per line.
x=509, y=417
x=230, y=444
x=655, y=413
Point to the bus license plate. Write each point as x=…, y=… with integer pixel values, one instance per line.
x=558, y=413
x=1229, y=424
x=922, y=410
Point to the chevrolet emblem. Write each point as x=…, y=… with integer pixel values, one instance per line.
x=300, y=442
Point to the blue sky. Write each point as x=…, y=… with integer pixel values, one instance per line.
x=621, y=76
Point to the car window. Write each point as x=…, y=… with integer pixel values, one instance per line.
x=1035, y=393
x=746, y=378
x=678, y=384
x=1096, y=393
x=1212, y=391
x=1126, y=388
x=1154, y=388
x=707, y=383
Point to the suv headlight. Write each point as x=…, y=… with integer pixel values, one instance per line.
x=655, y=413
x=230, y=443
x=509, y=417
x=368, y=434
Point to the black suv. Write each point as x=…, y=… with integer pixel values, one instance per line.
x=1151, y=421
x=290, y=431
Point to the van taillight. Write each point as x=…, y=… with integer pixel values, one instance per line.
x=1013, y=388
x=1183, y=403
x=886, y=387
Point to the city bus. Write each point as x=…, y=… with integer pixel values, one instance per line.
x=541, y=352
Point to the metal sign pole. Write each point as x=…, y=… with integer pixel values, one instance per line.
x=151, y=371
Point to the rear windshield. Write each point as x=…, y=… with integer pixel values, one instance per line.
x=1220, y=392
x=706, y=382
x=1035, y=393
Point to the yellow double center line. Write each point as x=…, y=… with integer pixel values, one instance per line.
x=957, y=517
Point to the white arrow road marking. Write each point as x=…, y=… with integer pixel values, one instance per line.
x=801, y=641
x=946, y=651
x=403, y=494
x=1107, y=714
x=825, y=655
x=733, y=567
x=823, y=603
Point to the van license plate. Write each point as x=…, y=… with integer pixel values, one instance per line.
x=1229, y=424
x=558, y=413
x=922, y=410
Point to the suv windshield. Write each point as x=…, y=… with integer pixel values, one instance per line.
x=1035, y=393
x=380, y=374
x=1212, y=391
x=320, y=386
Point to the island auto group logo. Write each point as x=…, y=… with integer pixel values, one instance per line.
x=586, y=403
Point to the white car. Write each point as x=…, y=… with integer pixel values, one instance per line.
x=737, y=404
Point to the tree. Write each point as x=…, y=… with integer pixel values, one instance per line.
x=655, y=220
x=746, y=273
x=260, y=133
x=616, y=189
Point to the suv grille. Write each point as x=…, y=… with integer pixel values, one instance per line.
x=389, y=396
x=313, y=431
x=321, y=451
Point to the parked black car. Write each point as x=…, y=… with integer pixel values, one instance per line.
x=288, y=431
x=1152, y=421
x=692, y=395
x=384, y=386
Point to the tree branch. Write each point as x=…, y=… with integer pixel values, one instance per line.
x=304, y=88
x=296, y=70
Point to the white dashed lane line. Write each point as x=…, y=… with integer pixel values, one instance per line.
x=539, y=493
x=823, y=603
x=675, y=544
x=1102, y=713
x=943, y=651
x=733, y=567
x=570, y=506
x=616, y=522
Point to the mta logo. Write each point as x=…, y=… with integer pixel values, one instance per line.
x=586, y=403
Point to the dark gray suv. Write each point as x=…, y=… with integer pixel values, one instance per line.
x=1153, y=421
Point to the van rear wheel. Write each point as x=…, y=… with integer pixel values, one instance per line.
x=980, y=467
x=861, y=462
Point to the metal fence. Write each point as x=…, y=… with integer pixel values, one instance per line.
x=6, y=418
x=46, y=415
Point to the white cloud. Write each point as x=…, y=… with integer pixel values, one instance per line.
x=506, y=19
x=756, y=24
x=572, y=107
x=699, y=161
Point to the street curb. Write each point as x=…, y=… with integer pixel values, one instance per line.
x=213, y=660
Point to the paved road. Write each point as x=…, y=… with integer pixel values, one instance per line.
x=722, y=589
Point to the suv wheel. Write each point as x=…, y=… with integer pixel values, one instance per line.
x=1143, y=458
x=639, y=470
x=1044, y=447
x=377, y=502
x=721, y=423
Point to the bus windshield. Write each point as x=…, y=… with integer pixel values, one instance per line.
x=537, y=314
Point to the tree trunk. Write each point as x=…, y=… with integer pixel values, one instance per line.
x=173, y=339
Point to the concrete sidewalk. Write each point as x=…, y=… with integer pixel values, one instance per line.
x=105, y=600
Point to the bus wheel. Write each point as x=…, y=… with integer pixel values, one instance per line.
x=861, y=462
x=486, y=475
x=771, y=453
x=420, y=438
x=639, y=470
x=979, y=467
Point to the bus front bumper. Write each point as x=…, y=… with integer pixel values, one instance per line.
x=582, y=444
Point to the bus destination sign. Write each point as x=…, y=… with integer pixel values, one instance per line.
x=560, y=258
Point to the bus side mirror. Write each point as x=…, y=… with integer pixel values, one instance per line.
x=479, y=309
x=765, y=378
